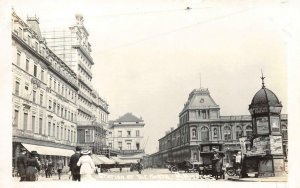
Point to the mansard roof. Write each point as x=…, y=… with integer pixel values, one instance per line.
x=129, y=117
x=200, y=99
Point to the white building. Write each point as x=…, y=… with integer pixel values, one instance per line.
x=44, y=95
x=126, y=137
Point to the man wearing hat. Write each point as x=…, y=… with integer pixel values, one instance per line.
x=21, y=164
x=75, y=170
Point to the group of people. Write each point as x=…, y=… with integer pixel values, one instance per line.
x=28, y=166
x=81, y=166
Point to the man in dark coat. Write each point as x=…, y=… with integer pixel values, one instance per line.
x=21, y=164
x=75, y=170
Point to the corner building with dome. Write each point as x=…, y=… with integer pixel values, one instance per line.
x=201, y=126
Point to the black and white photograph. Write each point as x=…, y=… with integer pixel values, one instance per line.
x=183, y=92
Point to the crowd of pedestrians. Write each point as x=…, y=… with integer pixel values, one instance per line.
x=80, y=165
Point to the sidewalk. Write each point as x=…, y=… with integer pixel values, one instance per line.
x=64, y=177
x=259, y=179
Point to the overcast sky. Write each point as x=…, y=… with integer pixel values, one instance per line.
x=149, y=54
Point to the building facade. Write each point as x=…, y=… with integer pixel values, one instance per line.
x=73, y=47
x=126, y=137
x=201, y=124
x=44, y=95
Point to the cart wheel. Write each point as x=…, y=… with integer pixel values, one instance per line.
x=230, y=172
x=190, y=167
x=174, y=169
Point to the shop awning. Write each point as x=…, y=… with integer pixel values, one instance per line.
x=118, y=160
x=132, y=161
x=45, y=150
x=105, y=159
x=96, y=160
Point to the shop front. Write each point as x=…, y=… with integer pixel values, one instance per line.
x=46, y=153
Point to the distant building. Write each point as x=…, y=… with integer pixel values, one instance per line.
x=126, y=137
x=72, y=46
x=201, y=125
x=44, y=96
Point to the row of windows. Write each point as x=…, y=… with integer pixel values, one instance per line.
x=30, y=67
x=83, y=72
x=61, y=132
x=29, y=95
x=26, y=126
x=83, y=59
x=84, y=101
x=137, y=133
x=227, y=135
x=62, y=89
x=36, y=126
x=41, y=50
x=128, y=144
x=84, y=88
x=61, y=111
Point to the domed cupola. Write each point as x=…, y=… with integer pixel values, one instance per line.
x=265, y=98
x=265, y=110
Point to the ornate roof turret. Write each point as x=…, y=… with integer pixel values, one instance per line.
x=200, y=99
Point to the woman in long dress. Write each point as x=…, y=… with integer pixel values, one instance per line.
x=87, y=166
x=32, y=167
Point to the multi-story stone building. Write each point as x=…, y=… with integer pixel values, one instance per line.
x=44, y=95
x=73, y=47
x=200, y=124
x=126, y=137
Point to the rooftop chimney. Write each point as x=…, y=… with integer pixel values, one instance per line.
x=34, y=23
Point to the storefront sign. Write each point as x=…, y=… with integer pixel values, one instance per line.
x=262, y=125
x=276, y=144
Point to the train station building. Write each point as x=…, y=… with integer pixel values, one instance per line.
x=200, y=126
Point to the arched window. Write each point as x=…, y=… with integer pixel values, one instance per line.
x=227, y=133
x=284, y=132
x=204, y=134
x=239, y=132
x=248, y=131
x=194, y=133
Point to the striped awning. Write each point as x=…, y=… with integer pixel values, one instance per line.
x=46, y=150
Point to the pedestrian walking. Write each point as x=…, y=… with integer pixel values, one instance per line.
x=217, y=164
x=87, y=166
x=75, y=170
x=48, y=168
x=139, y=166
x=21, y=164
x=32, y=167
x=60, y=166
